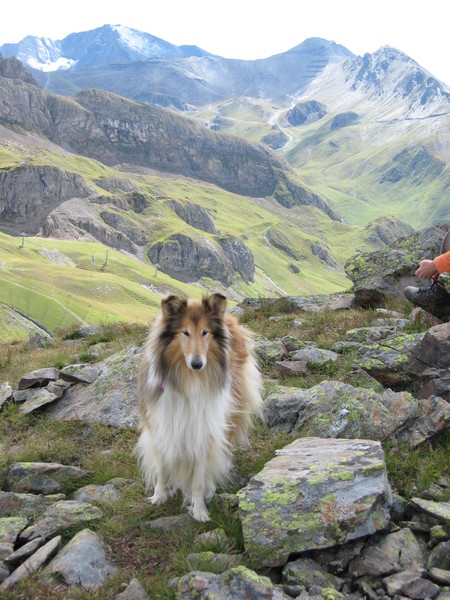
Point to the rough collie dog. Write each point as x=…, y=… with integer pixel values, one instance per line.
x=198, y=388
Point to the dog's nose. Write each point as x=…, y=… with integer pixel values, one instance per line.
x=196, y=363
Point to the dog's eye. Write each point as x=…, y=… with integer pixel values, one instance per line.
x=186, y=333
x=205, y=332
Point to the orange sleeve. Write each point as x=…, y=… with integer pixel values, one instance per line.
x=442, y=263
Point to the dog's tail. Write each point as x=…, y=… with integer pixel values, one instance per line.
x=146, y=459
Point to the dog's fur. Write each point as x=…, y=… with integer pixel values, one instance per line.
x=198, y=388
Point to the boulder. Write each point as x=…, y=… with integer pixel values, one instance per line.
x=80, y=373
x=28, y=506
x=314, y=494
x=59, y=517
x=194, y=215
x=133, y=591
x=24, y=552
x=82, y=562
x=269, y=351
x=314, y=355
x=10, y=528
x=283, y=406
x=43, y=478
x=411, y=583
x=305, y=573
x=239, y=583
x=95, y=494
x=111, y=399
x=438, y=510
x=289, y=368
x=240, y=256
x=37, y=399
x=431, y=355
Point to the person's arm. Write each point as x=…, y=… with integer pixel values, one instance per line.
x=442, y=263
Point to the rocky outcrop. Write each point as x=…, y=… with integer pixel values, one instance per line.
x=125, y=226
x=12, y=68
x=385, y=273
x=188, y=259
x=194, y=215
x=385, y=230
x=415, y=164
x=344, y=120
x=305, y=113
x=29, y=193
x=275, y=139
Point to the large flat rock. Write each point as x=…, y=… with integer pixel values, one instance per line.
x=315, y=493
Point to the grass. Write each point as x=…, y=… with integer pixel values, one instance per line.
x=152, y=556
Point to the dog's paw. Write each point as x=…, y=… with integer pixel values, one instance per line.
x=157, y=499
x=199, y=514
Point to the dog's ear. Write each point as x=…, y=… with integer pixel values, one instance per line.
x=173, y=305
x=217, y=304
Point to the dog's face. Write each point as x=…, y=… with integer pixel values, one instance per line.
x=195, y=326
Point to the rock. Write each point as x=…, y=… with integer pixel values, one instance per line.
x=432, y=352
x=269, y=351
x=169, y=523
x=37, y=399
x=410, y=583
x=237, y=311
x=38, y=378
x=6, y=393
x=240, y=256
x=314, y=355
x=314, y=494
x=82, y=562
x=58, y=387
x=283, y=406
x=43, y=478
x=80, y=373
x=94, y=494
x=239, y=583
x=87, y=331
x=305, y=113
x=395, y=552
x=212, y=562
x=436, y=387
x=370, y=334
x=379, y=275
x=28, y=506
x=307, y=573
x=438, y=533
x=194, y=215
x=420, y=316
x=398, y=323
x=24, y=552
x=440, y=556
x=215, y=538
x=127, y=227
x=344, y=120
x=6, y=549
x=4, y=572
x=111, y=399
x=10, y=528
x=359, y=378
x=438, y=510
x=292, y=367
x=59, y=517
x=33, y=563
x=133, y=591
x=439, y=576
x=343, y=347
x=275, y=139
x=388, y=361
x=431, y=417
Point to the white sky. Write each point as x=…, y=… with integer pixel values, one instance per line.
x=251, y=29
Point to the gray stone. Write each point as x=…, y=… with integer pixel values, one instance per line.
x=6, y=548
x=422, y=317
x=307, y=573
x=283, y=406
x=370, y=334
x=239, y=583
x=216, y=539
x=343, y=347
x=10, y=528
x=6, y=393
x=395, y=552
x=431, y=417
x=314, y=494
x=384, y=313
x=43, y=478
x=411, y=584
x=438, y=510
x=59, y=517
x=169, y=523
x=388, y=361
x=440, y=556
x=4, y=572
x=212, y=562
x=82, y=562
x=111, y=399
x=28, y=506
x=436, y=387
x=94, y=494
x=440, y=576
x=24, y=552
x=133, y=591
x=58, y=387
x=360, y=378
x=314, y=355
x=398, y=323
x=87, y=331
x=237, y=311
x=432, y=352
x=38, y=378
x=80, y=373
x=292, y=367
x=33, y=563
x=269, y=351
x=39, y=398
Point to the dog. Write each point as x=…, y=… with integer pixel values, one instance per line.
x=198, y=389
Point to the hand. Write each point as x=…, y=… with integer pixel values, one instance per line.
x=427, y=269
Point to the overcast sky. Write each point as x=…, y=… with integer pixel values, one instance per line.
x=251, y=29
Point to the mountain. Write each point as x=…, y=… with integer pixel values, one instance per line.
x=104, y=45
